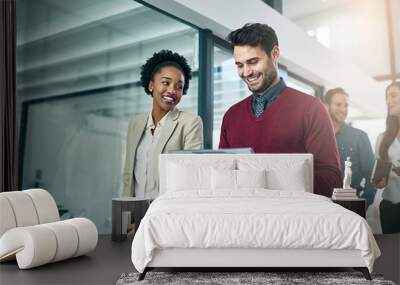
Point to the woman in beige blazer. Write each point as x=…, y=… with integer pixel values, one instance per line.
x=165, y=77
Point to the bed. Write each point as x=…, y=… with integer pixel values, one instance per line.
x=250, y=210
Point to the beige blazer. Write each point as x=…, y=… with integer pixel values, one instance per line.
x=181, y=131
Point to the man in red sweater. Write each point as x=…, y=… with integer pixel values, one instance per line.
x=277, y=118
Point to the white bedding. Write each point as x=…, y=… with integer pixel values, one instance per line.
x=252, y=218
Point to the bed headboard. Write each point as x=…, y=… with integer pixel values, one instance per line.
x=293, y=168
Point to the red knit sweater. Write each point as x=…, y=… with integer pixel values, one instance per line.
x=294, y=123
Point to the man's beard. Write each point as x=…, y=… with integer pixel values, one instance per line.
x=336, y=119
x=271, y=75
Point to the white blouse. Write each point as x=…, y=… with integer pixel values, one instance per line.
x=392, y=189
x=145, y=160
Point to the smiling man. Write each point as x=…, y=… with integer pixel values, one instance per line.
x=353, y=143
x=276, y=118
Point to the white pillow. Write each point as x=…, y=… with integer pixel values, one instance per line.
x=227, y=179
x=292, y=179
x=223, y=179
x=185, y=175
x=281, y=174
x=251, y=178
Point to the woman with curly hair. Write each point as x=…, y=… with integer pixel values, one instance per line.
x=388, y=148
x=165, y=77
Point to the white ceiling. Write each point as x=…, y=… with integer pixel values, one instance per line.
x=297, y=9
x=358, y=30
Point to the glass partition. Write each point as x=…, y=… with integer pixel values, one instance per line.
x=228, y=88
x=78, y=82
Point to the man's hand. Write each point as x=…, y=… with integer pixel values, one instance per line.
x=396, y=170
x=381, y=184
x=131, y=230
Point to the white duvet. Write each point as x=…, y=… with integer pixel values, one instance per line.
x=250, y=219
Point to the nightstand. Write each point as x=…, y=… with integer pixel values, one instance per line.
x=137, y=206
x=357, y=205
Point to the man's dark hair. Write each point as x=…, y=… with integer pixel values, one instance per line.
x=331, y=92
x=254, y=34
x=162, y=59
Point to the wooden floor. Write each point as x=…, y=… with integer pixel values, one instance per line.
x=110, y=259
x=103, y=266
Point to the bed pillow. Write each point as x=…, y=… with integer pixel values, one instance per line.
x=223, y=179
x=251, y=178
x=185, y=175
x=281, y=174
x=227, y=179
x=292, y=179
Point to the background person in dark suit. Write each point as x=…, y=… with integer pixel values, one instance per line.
x=353, y=143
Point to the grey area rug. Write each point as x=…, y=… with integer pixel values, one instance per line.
x=228, y=278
